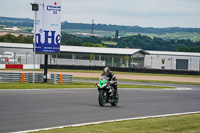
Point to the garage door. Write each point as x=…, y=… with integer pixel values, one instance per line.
x=182, y=64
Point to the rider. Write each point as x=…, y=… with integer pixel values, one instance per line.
x=111, y=77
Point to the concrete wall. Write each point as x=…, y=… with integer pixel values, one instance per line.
x=155, y=61
x=78, y=62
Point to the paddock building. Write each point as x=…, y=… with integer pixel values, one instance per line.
x=17, y=53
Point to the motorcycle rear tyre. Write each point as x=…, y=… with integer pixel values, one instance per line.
x=116, y=100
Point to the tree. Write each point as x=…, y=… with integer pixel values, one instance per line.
x=126, y=59
x=163, y=61
x=19, y=59
x=91, y=57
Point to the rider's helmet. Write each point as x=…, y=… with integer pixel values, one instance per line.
x=106, y=71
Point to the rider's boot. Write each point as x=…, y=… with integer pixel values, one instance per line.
x=115, y=94
x=111, y=92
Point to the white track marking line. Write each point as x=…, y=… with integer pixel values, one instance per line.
x=100, y=122
x=178, y=88
x=183, y=88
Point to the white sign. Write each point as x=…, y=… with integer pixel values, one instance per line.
x=48, y=26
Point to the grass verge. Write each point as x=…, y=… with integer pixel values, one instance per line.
x=74, y=85
x=145, y=81
x=125, y=73
x=173, y=124
x=115, y=72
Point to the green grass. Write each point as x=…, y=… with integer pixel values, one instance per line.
x=74, y=85
x=125, y=73
x=167, y=36
x=115, y=72
x=193, y=36
x=97, y=32
x=173, y=124
x=109, y=42
x=156, y=81
x=145, y=81
x=45, y=86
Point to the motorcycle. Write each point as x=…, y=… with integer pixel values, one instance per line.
x=105, y=96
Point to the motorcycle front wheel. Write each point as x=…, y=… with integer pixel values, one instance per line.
x=102, y=98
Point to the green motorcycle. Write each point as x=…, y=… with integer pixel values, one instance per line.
x=104, y=86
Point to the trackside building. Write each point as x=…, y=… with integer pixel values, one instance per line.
x=172, y=60
x=16, y=53
x=74, y=55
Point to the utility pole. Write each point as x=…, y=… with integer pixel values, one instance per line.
x=116, y=35
x=92, y=28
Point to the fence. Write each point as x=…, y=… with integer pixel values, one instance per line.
x=38, y=78
x=28, y=78
x=10, y=77
x=61, y=78
x=120, y=69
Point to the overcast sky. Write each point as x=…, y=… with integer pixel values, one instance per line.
x=145, y=13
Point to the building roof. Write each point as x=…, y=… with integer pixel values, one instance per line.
x=16, y=45
x=100, y=50
x=78, y=49
x=173, y=53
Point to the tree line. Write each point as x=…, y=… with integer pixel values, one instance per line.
x=67, y=39
x=16, y=39
x=136, y=29
x=26, y=22
x=136, y=41
x=158, y=44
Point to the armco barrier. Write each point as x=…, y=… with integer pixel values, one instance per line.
x=38, y=78
x=28, y=78
x=66, y=78
x=61, y=78
x=136, y=70
x=10, y=77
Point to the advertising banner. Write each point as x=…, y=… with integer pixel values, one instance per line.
x=48, y=27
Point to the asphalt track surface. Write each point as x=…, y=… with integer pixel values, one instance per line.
x=22, y=110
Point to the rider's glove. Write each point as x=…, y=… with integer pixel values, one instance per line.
x=111, y=82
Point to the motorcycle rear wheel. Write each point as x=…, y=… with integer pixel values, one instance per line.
x=116, y=99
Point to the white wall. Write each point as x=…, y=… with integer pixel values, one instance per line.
x=79, y=62
x=155, y=61
x=2, y=66
x=30, y=66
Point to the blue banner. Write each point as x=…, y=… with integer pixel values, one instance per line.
x=48, y=27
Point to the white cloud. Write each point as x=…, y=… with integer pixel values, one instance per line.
x=153, y=13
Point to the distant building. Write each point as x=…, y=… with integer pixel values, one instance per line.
x=74, y=55
x=96, y=56
x=13, y=28
x=172, y=60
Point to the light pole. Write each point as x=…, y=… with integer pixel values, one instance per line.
x=26, y=56
x=15, y=56
x=35, y=8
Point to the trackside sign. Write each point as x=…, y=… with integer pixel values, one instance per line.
x=48, y=27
